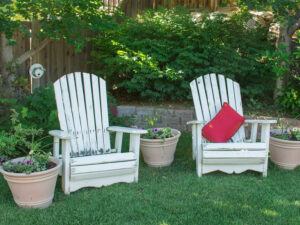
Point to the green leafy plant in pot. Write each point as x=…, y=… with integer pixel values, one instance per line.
x=159, y=144
x=31, y=178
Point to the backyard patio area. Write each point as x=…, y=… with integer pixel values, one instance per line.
x=172, y=195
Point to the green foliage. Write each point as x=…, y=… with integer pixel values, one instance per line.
x=19, y=139
x=39, y=109
x=288, y=97
x=156, y=55
x=59, y=19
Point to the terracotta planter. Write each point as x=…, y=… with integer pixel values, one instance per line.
x=35, y=190
x=284, y=153
x=159, y=152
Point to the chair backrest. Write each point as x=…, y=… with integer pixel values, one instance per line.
x=82, y=111
x=209, y=94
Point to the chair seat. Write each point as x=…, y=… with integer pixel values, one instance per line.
x=102, y=159
x=234, y=146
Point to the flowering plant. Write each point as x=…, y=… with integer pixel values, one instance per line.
x=288, y=134
x=285, y=132
x=23, y=139
x=158, y=133
x=36, y=161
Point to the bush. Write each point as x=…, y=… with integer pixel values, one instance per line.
x=156, y=55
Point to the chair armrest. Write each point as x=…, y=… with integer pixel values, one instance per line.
x=61, y=134
x=126, y=130
x=260, y=121
x=195, y=122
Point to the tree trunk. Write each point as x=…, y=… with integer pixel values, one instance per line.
x=6, y=62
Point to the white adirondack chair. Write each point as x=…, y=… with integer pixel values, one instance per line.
x=239, y=154
x=88, y=159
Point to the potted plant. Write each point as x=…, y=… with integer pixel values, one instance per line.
x=285, y=147
x=32, y=178
x=159, y=144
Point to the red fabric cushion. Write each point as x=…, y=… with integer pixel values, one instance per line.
x=224, y=125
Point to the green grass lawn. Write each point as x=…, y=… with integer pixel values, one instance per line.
x=171, y=195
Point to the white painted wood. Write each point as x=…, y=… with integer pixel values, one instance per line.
x=68, y=113
x=61, y=134
x=229, y=168
x=235, y=157
x=127, y=130
x=261, y=121
x=265, y=137
x=56, y=147
x=100, y=159
x=98, y=116
x=75, y=112
x=231, y=96
x=233, y=161
x=195, y=122
x=196, y=100
x=90, y=112
x=102, y=174
x=60, y=106
x=223, y=90
x=82, y=108
x=210, y=98
x=234, y=146
x=234, y=154
x=88, y=181
x=203, y=99
x=194, y=141
x=102, y=167
x=253, y=136
x=82, y=113
x=104, y=108
x=215, y=90
x=66, y=166
x=135, y=147
x=118, y=141
x=199, y=164
x=239, y=109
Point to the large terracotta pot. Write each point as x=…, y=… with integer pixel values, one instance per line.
x=284, y=153
x=35, y=190
x=159, y=152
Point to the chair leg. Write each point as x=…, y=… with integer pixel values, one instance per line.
x=198, y=150
x=66, y=166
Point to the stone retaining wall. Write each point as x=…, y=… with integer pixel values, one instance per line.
x=175, y=117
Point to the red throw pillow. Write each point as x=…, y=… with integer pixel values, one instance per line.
x=224, y=125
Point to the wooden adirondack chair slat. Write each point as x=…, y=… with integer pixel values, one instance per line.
x=210, y=98
x=68, y=112
x=223, y=89
x=90, y=112
x=104, y=106
x=215, y=92
x=82, y=114
x=98, y=116
x=203, y=99
x=196, y=100
x=75, y=111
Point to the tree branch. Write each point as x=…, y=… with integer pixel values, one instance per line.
x=21, y=59
x=294, y=28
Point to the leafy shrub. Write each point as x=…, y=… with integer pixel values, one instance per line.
x=156, y=55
